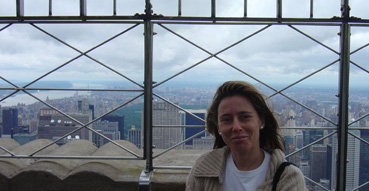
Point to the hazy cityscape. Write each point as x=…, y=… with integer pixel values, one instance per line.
x=28, y=120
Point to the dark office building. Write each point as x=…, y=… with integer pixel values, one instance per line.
x=191, y=131
x=116, y=118
x=10, y=121
x=319, y=162
x=364, y=160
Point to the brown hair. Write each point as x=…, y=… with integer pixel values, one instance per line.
x=270, y=138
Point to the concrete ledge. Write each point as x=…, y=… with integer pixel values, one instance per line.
x=87, y=174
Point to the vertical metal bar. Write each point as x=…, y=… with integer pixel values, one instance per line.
x=311, y=8
x=82, y=8
x=279, y=9
x=50, y=7
x=213, y=8
x=343, y=97
x=20, y=8
x=245, y=8
x=148, y=88
x=179, y=7
x=114, y=7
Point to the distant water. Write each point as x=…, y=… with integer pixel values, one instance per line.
x=24, y=98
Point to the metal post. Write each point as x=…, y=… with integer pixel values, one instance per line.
x=213, y=9
x=179, y=7
x=50, y=7
x=343, y=98
x=82, y=8
x=311, y=8
x=279, y=9
x=20, y=8
x=144, y=182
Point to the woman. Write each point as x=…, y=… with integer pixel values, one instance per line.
x=248, y=148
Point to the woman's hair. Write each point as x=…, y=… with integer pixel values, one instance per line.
x=269, y=139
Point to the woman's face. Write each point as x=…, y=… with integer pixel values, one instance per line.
x=239, y=124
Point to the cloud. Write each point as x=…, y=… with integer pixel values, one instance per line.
x=276, y=52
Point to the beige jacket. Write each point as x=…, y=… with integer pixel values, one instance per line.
x=207, y=173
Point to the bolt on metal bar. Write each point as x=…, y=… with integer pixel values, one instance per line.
x=331, y=49
x=211, y=54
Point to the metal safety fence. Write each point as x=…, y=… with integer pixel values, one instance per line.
x=151, y=21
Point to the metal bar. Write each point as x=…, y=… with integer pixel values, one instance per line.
x=179, y=7
x=178, y=126
x=361, y=139
x=84, y=54
x=310, y=144
x=312, y=181
x=365, y=70
x=114, y=7
x=213, y=8
x=148, y=87
x=178, y=107
x=6, y=150
x=331, y=49
x=302, y=79
x=311, y=8
x=279, y=9
x=6, y=26
x=69, y=157
x=180, y=143
x=70, y=89
x=173, y=167
x=353, y=52
x=20, y=9
x=84, y=125
x=360, y=118
x=211, y=54
x=244, y=8
x=357, y=188
x=83, y=9
x=344, y=72
x=50, y=7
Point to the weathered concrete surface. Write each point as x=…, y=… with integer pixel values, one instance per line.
x=88, y=174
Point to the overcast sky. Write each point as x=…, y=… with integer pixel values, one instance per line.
x=277, y=54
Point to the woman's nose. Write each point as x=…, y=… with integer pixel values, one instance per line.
x=236, y=125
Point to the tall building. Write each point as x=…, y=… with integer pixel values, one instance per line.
x=54, y=126
x=134, y=136
x=85, y=108
x=318, y=162
x=364, y=160
x=116, y=118
x=166, y=114
x=10, y=121
x=108, y=129
x=353, y=161
x=191, y=131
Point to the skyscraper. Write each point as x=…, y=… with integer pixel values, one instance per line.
x=134, y=136
x=10, y=121
x=191, y=120
x=116, y=118
x=166, y=114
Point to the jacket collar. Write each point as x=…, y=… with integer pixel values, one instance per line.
x=212, y=164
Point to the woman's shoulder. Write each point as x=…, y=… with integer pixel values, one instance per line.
x=211, y=162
